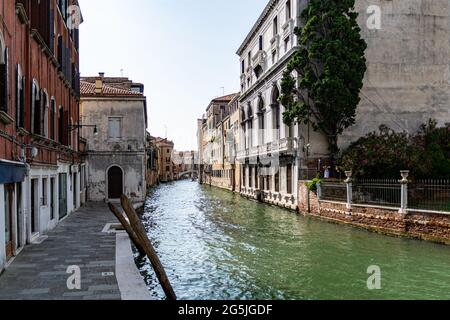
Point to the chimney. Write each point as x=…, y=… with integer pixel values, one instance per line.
x=99, y=83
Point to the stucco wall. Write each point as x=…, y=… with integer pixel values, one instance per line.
x=128, y=152
x=133, y=170
x=407, y=81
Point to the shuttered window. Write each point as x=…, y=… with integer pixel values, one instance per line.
x=20, y=98
x=4, y=83
x=114, y=128
x=52, y=118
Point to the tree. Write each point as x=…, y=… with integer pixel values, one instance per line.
x=322, y=82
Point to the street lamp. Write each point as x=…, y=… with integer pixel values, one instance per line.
x=79, y=126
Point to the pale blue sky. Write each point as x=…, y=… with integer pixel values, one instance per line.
x=182, y=50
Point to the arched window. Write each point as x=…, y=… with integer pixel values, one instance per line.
x=261, y=121
x=3, y=76
x=52, y=118
x=249, y=125
x=61, y=125
x=20, y=98
x=36, y=112
x=244, y=129
x=276, y=112
x=45, y=113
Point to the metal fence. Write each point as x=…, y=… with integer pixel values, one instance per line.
x=382, y=192
x=431, y=195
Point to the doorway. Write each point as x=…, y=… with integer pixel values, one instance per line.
x=115, y=183
x=34, y=205
x=19, y=214
x=9, y=242
x=52, y=198
x=62, y=195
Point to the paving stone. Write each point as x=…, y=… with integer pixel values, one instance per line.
x=39, y=272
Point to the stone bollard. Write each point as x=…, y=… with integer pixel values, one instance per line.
x=349, y=183
x=404, y=192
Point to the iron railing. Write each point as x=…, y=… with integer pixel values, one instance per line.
x=382, y=192
x=433, y=195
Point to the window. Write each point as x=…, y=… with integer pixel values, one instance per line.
x=275, y=26
x=274, y=56
x=243, y=66
x=261, y=42
x=4, y=82
x=289, y=178
x=45, y=112
x=20, y=99
x=44, y=192
x=114, y=128
x=288, y=10
x=52, y=118
x=277, y=182
x=36, y=112
x=286, y=44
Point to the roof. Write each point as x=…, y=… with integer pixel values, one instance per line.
x=267, y=10
x=88, y=89
x=226, y=98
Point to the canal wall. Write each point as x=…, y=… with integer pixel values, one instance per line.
x=385, y=220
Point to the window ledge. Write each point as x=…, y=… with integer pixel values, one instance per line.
x=5, y=118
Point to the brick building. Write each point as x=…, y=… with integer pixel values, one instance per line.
x=41, y=174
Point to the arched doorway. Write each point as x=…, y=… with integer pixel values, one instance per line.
x=115, y=182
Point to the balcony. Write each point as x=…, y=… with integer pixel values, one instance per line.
x=284, y=146
x=288, y=28
x=275, y=42
x=259, y=59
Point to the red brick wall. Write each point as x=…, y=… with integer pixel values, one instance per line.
x=35, y=64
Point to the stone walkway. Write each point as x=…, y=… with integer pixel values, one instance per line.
x=39, y=271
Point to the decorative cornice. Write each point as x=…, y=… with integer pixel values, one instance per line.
x=267, y=10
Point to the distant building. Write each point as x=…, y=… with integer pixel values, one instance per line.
x=152, y=175
x=215, y=151
x=165, y=163
x=116, y=152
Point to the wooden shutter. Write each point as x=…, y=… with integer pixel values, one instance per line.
x=18, y=84
x=4, y=83
x=22, y=104
x=52, y=30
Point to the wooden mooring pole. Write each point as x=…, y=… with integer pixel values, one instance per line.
x=138, y=234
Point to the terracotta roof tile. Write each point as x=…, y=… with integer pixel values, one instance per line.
x=88, y=89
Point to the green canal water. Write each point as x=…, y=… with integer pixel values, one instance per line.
x=217, y=245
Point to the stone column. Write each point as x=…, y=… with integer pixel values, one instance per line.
x=349, y=183
x=404, y=192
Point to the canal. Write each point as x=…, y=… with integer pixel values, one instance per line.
x=218, y=245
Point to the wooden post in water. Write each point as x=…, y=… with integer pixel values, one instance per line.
x=143, y=239
x=127, y=228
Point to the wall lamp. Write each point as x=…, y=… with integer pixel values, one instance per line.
x=79, y=126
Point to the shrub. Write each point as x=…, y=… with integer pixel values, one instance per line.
x=385, y=153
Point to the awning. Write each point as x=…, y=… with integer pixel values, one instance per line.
x=12, y=172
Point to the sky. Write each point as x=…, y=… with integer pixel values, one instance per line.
x=183, y=51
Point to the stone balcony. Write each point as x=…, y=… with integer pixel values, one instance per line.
x=259, y=59
x=275, y=42
x=288, y=28
x=284, y=146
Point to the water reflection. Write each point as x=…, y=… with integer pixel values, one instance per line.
x=217, y=245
